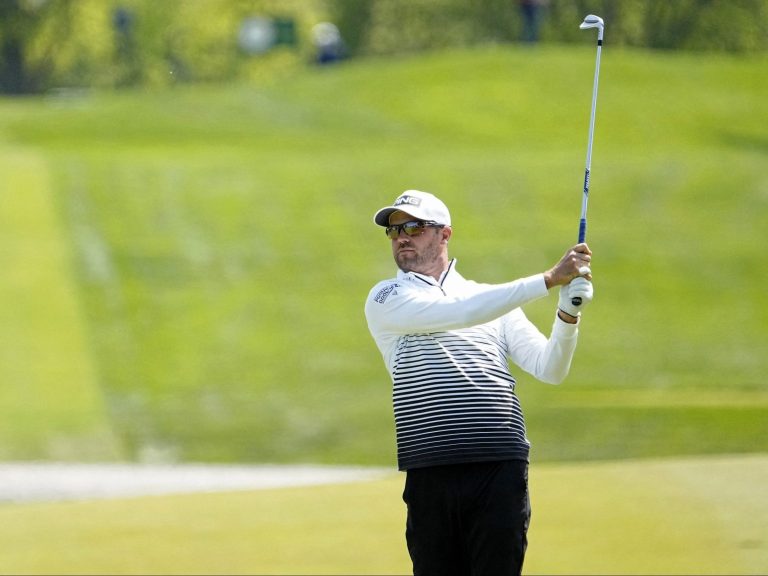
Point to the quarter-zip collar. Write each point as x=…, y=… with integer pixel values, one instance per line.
x=446, y=277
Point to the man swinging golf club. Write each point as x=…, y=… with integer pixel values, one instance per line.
x=447, y=343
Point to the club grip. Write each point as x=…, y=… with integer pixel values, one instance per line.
x=582, y=230
x=582, y=236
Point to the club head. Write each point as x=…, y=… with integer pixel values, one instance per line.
x=592, y=21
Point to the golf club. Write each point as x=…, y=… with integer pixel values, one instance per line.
x=590, y=21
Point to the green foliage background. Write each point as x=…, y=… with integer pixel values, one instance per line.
x=64, y=44
x=186, y=268
x=385, y=27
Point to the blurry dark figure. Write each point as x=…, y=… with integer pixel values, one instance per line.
x=531, y=11
x=328, y=43
x=126, y=48
x=122, y=20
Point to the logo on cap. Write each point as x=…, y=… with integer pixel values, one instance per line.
x=411, y=200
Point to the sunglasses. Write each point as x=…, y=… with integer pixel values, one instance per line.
x=414, y=228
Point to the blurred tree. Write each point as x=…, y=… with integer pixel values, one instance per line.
x=52, y=43
x=19, y=20
x=197, y=41
x=389, y=26
x=727, y=25
x=47, y=44
x=354, y=22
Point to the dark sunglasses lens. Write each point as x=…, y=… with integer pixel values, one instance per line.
x=413, y=228
x=410, y=229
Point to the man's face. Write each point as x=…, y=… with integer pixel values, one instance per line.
x=424, y=253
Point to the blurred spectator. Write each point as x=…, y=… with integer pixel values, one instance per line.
x=328, y=43
x=531, y=11
x=126, y=47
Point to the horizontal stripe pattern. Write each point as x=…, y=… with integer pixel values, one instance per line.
x=454, y=399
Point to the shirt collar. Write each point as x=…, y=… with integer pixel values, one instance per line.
x=447, y=276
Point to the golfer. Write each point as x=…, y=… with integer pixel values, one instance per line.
x=447, y=343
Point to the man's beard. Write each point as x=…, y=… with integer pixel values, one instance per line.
x=417, y=261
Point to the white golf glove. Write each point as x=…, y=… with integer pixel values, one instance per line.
x=578, y=288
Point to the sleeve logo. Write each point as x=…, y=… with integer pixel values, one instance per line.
x=384, y=293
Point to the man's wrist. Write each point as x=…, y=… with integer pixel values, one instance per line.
x=567, y=318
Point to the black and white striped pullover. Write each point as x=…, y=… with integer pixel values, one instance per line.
x=447, y=344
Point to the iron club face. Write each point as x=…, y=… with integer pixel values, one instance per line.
x=592, y=21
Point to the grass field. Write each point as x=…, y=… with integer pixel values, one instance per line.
x=682, y=516
x=209, y=250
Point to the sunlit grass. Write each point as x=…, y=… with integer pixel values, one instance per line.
x=684, y=516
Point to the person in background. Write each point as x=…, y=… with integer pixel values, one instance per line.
x=531, y=11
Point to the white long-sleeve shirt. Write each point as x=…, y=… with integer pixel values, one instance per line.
x=446, y=345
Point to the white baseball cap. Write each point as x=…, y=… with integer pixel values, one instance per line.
x=420, y=205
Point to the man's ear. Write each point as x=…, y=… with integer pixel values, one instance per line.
x=447, y=232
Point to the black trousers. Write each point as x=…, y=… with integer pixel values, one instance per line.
x=468, y=519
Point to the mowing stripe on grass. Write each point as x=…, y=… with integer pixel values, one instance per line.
x=50, y=403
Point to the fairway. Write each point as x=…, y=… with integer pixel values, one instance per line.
x=683, y=516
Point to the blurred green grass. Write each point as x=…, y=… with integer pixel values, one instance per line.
x=222, y=247
x=679, y=516
x=47, y=369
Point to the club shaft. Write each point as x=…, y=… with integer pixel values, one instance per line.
x=585, y=196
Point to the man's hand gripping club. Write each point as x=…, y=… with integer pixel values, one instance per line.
x=574, y=276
